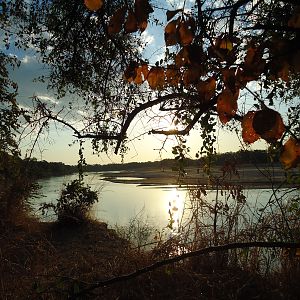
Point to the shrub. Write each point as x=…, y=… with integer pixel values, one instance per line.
x=74, y=203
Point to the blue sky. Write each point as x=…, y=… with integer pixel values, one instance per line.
x=55, y=145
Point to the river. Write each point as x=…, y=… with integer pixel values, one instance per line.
x=120, y=202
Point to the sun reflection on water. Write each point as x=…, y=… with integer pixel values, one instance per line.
x=175, y=205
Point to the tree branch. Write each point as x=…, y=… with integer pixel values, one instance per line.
x=204, y=108
x=178, y=258
x=233, y=13
x=137, y=110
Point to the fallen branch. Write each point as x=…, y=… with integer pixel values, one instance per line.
x=171, y=260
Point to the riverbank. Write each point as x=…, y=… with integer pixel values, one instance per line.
x=51, y=261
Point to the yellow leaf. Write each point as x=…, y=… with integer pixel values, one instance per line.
x=93, y=5
x=224, y=43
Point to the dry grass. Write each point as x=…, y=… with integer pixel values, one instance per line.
x=50, y=261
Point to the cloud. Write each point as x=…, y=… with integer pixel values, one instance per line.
x=28, y=59
x=47, y=98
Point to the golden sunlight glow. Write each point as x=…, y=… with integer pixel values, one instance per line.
x=174, y=207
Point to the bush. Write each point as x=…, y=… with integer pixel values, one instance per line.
x=74, y=203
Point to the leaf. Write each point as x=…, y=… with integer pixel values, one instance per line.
x=142, y=11
x=227, y=105
x=283, y=73
x=290, y=154
x=268, y=124
x=206, y=89
x=172, y=13
x=117, y=20
x=156, y=78
x=249, y=135
x=182, y=58
x=294, y=21
x=229, y=79
x=93, y=5
x=185, y=33
x=131, y=71
x=191, y=75
x=173, y=76
x=254, y=64
x=171, y=37
x=131, y=23
x=224, y=43
x=141, y=74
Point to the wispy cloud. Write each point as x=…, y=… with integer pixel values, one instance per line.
x=47, y=98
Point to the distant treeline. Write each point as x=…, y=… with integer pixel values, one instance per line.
x=241, y=157
x=40, y=169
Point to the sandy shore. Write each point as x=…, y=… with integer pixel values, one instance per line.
x=247, y=176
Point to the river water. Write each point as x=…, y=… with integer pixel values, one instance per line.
x=120, y=202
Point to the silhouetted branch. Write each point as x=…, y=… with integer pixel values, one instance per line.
x=178, y=258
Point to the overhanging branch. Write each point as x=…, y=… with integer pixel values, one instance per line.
x=204, y=108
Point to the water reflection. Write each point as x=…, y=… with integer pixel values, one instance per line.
x=175, y=200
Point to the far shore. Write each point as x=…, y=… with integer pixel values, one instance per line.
x=247, y=176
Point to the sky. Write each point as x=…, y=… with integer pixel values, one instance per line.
x=55, y=145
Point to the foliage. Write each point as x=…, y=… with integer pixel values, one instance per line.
x=74, y=203
x=222, y=63
x=15, y=187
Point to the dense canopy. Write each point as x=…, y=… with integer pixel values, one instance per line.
x=225, y=62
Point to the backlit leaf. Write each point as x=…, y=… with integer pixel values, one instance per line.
x=131, y=72
x=142, y=11
x=227, y=105
x=141, y=74
x=229, y=78
x=249, y=135
x=117, y=20
x=171, y=37
x=253, y=65
x=93, y=5
x=173, y=76
x=172, y=13
x=131, y=23
x=290, y=155
x=191, y=75
x=156, y=78
x=268, y=124
x=224, y=43
x=182, y=58
x=294, y=21
x=206, y=89
x=185, y=33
